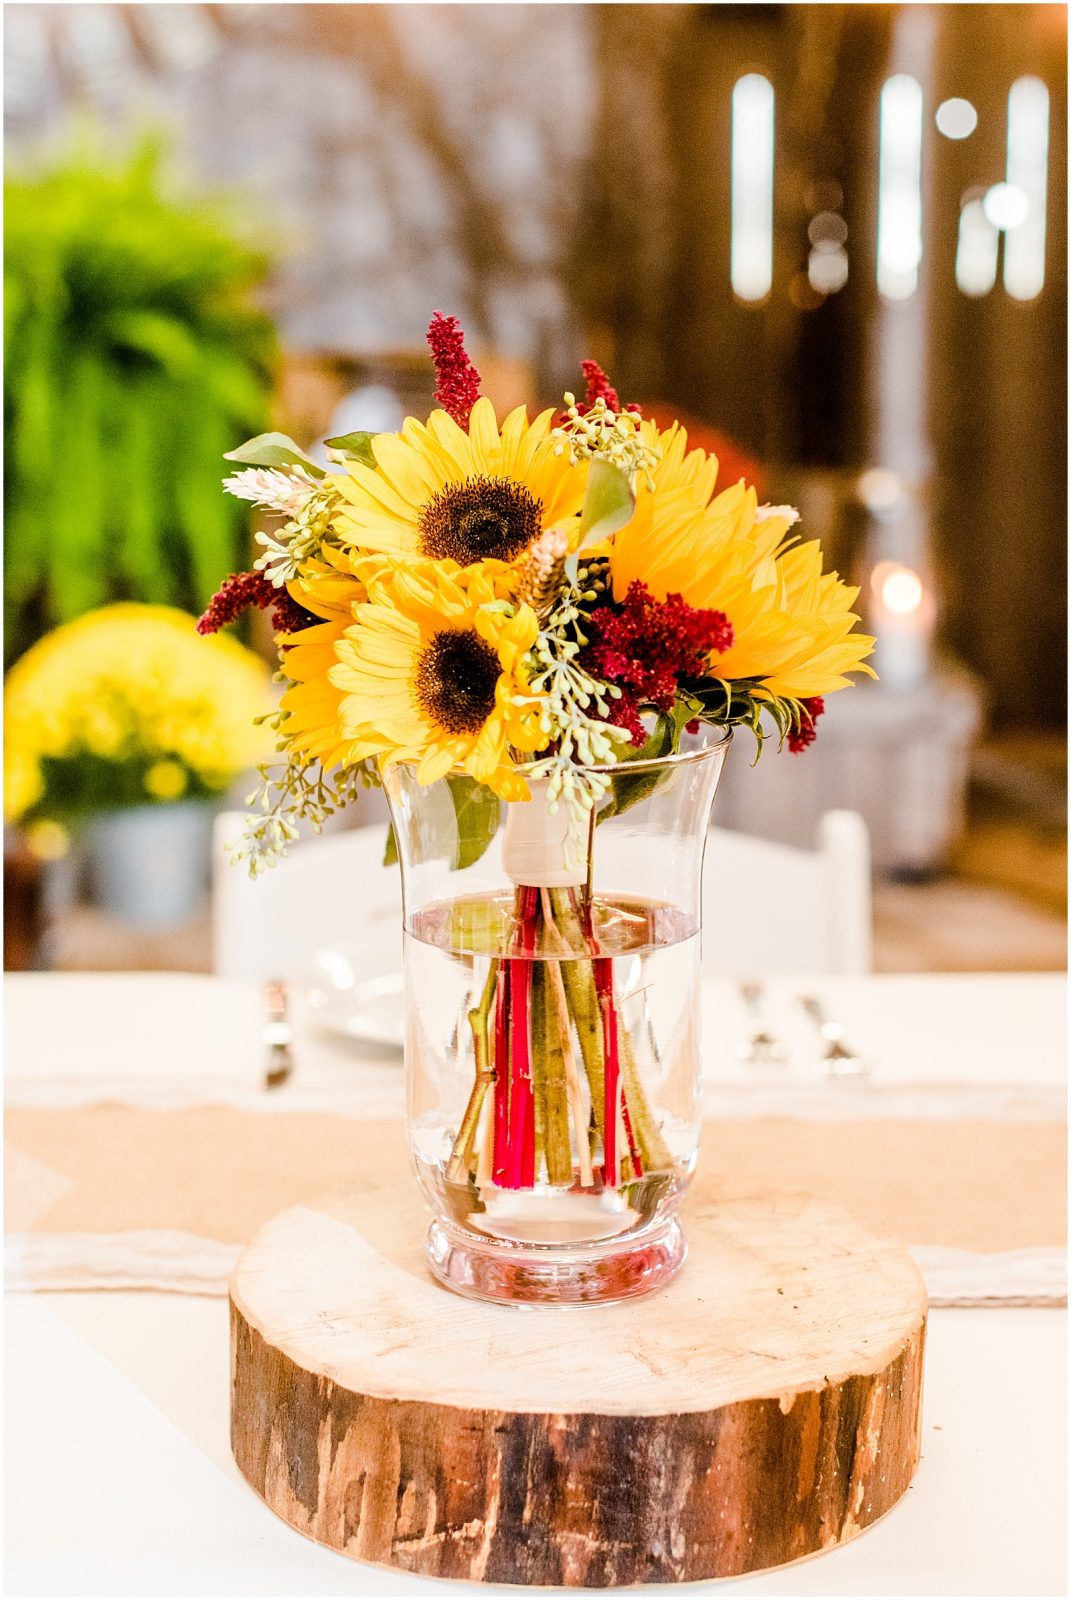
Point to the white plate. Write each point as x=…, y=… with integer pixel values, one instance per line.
x=344, y=1001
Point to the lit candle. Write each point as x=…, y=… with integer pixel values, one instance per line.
x=903, y=616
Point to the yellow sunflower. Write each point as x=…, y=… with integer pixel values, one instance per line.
x=432, y=672
x=314, y=724
x=679, y=468
x=793, y=626
x=464, y=497
x=331, y=588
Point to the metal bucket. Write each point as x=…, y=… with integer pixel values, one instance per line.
x=150, y=865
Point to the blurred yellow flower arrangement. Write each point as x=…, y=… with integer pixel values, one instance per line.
x=126, y=706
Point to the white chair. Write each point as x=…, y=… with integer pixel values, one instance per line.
x=327, y=892
x=767, y=908
x=770, y=909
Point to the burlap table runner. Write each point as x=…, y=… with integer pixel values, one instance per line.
x=123, y=1197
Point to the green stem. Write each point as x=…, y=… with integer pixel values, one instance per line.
x=655, y=1152
x=579, y=980
x=587, y=1014
x=552, y=1095
x=460, y=1164
x=539, y=1066
x=578, y=1119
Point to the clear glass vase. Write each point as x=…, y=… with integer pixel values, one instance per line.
x=552, y=1026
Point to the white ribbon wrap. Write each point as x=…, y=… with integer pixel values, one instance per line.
x=539, y=846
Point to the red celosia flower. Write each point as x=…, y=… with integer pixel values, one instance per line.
x=458, y=387
x=245, y=590
x=645, y=646
x=810, y=711
x=289, y=616
x=625, y=713
x=599, y=387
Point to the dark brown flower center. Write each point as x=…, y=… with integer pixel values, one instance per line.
x=455, y=680
x=480, y=520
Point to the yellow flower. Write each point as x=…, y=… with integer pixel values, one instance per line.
x=47, y=840
x=337, y=593
x=432, y=672
x=332, y=586
x=663, y=542
x=792, y=624
x=313, y=726
x=129, y=682
x=461, y=497
x=165, y=780
x=678, y=468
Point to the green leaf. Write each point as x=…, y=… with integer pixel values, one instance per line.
x=629, y=788
x=273, y=450
x=159, y=337
x=108, y=268
x=476, y=808
x=608, y=503
x=358, y=446
x=744, y=701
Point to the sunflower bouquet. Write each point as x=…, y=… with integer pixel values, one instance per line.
x=521, y=609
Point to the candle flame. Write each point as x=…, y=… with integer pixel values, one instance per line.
x=898, y=588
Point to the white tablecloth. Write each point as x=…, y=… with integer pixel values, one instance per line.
x=119, y=1476
x=950, y=1044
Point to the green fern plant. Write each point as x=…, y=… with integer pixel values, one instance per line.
x=135, y=356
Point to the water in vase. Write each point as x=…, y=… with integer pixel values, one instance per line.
x=553, y=1058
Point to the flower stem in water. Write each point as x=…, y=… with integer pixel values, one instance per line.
x=526, y=1059
x=583, y=1003
x=500, y=1121
x=574, y=1091
x=548, y=1067
x=460, y=1163
x=520, y=1164
x=653, y=1149
x=604, y=988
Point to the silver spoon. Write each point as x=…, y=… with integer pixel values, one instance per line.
x=760, y=1047
x=839, y=1060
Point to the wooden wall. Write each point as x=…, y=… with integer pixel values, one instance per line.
x=795, y=385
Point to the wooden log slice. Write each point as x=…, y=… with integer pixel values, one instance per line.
x=761, y=1408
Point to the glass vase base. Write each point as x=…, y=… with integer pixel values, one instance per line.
x=516, y=1274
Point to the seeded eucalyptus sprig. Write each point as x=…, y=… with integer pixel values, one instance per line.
x=295, y=791
x=575, y=708
x=599, y=432
x=300, y=539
